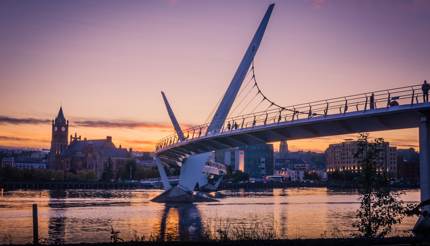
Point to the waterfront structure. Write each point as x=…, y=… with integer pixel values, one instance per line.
x=234, y=157
x=258, y=160
x=342, y=157
x=291, y=163
x=145, y=159
x=255, y=160
x=408, y=166
x=283, y=149
x=30, y=165
x=59, y=133
x=8, y=162
x=290, y=175
x=396, y=108
x=191, y=173
x=97, y=155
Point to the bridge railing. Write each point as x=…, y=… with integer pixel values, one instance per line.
x=322, y=108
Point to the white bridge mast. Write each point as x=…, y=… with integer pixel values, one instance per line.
x=191, y=173
x=232, y=90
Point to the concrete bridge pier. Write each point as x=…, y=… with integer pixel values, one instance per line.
x=422, y=227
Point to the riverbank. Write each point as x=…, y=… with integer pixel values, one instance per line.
x=36, y=185
x=287, y=242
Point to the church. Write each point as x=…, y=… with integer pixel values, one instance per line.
x=97, y=155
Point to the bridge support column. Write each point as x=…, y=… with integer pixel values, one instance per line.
x=422, y=227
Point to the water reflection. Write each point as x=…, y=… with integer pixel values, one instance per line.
x=180, y=222
x=279, y=213
x=76, y=216
x=57, y=217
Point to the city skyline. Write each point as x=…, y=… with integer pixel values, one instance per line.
x=112, y=88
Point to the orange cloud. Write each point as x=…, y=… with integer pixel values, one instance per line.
x=148, y=142
x=21, y=121
x=12, y=141
x=92, y=123
x=120, y=124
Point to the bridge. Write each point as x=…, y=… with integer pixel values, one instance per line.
x=247, y=116
x=391, y=109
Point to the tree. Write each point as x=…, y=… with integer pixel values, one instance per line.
x=380, y=208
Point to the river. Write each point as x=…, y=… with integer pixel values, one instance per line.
x=73, y=216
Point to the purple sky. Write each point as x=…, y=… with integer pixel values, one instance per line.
x=108, y=60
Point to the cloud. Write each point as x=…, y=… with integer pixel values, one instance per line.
x=319, y=3
x=144, y=142
x=93, y=123
x=22, y=121
x=8, y=138
x=415, y=146
x=125, y=124
x=11, y=138
x=120, y=124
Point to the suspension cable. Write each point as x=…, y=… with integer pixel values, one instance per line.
x=237, y=105
x=211, y=114
x=272, y=103
x=247, y=104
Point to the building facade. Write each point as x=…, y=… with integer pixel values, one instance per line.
x=408, y=166
x=59, y=135
x=234, y=157
x=342, y=158
x=98, y=156
x=283, y=149
x=8, y=162
x=256, y=160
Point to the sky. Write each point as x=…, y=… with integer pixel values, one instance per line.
x=105, y=62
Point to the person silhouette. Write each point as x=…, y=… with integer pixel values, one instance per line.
x=372, y=101
x=425, y=87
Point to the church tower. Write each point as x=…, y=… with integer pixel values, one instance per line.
x=60, y=130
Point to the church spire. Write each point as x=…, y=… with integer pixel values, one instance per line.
x=60, y=116
x=60, y=113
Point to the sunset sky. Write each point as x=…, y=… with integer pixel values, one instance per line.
x=105, y=62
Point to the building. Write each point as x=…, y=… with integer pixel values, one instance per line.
x=94, y=155
x=8, y=162
x=22, y=164
x=291, y=163
x=98, y=155
x=342, y=158
x=234, y=157
x=290, y=175
x=259, y=160
x=144, y=159
x=256, y=160
x=59, y=135
x=283, y=149
x=30, y=165
x=408, y=166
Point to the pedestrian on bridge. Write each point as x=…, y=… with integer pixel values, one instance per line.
x=425, y=87
x=372, y=101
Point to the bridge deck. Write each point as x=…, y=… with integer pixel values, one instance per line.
x=325, y=122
